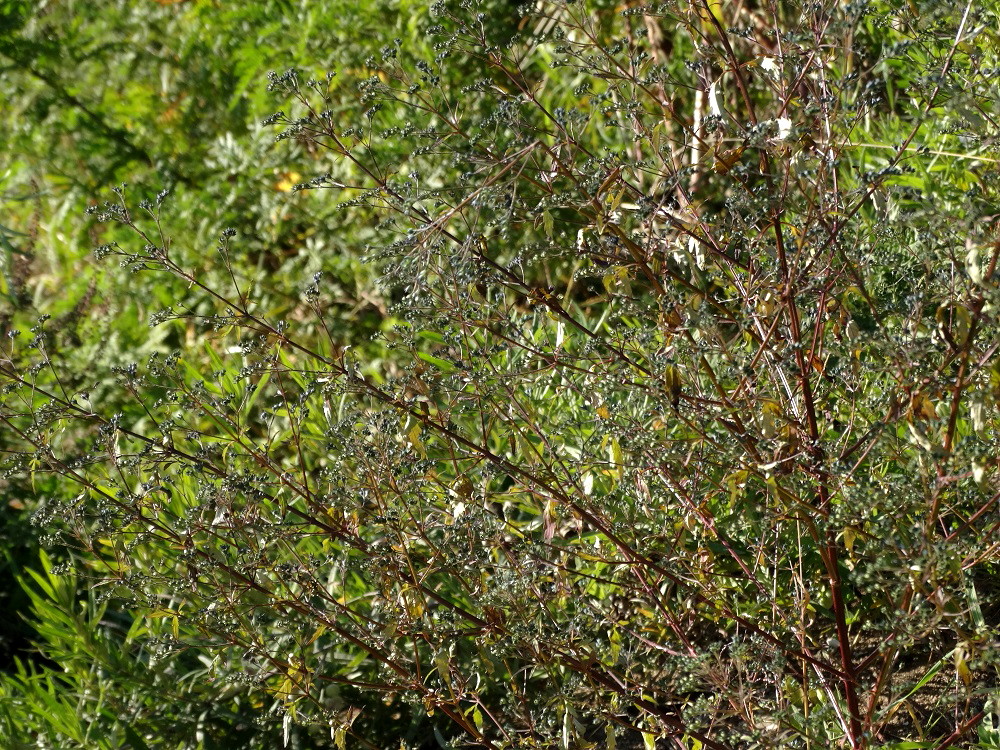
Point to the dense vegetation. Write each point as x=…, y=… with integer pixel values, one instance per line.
x=572, y=375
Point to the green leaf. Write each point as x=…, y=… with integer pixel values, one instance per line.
x=441, y=364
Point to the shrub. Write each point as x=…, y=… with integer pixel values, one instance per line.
x=684, y=429
x=104, y=687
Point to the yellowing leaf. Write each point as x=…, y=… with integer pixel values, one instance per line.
x=961, y=663
x=725, y=160
x=411, y=599
x=769, y=424
x=921, y=407
x=616, y=279
x=442, y=662
x=414, y=437
x=849, y=536
x=672, y=384
x=318, y=632
x=463, y=487
x=616, y=452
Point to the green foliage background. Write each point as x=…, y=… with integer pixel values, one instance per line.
x=166, y=95
x=478, y=407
